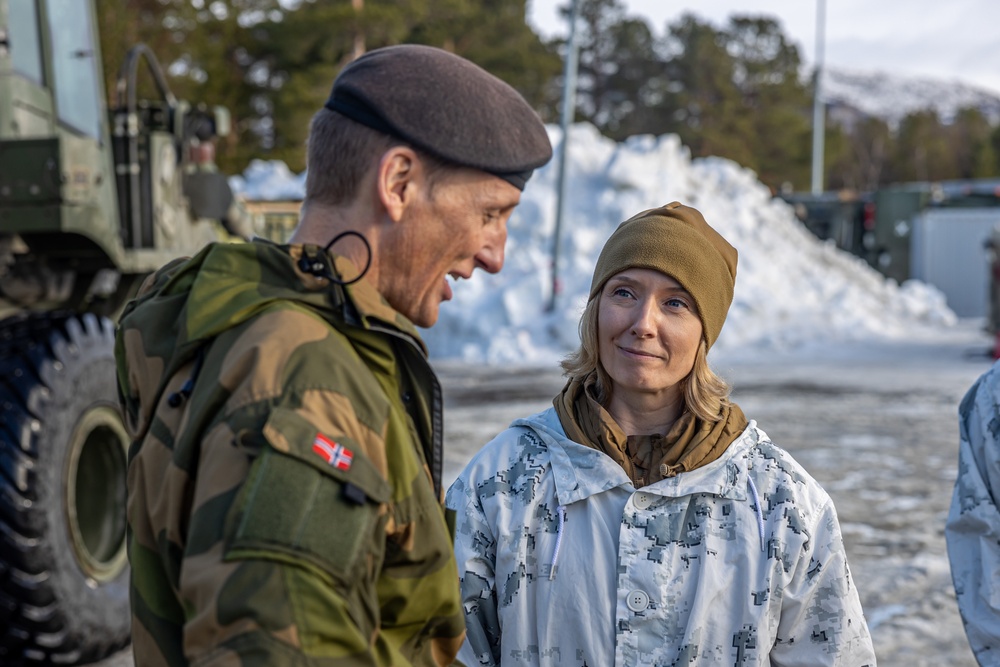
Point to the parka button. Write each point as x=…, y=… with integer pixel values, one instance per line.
x=637, y=600
x=643, y=500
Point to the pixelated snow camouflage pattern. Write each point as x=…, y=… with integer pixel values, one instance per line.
x=247, y=547
x=973, y=527
x=681, y=572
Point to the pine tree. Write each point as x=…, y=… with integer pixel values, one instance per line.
x=859, y=156
x=272, y=62
x=921, y=151
x=622, y=81
x=494, y=35
x=766, y=72
x=970, y=141
x=123, y=24
x=304, y=61
x=707, y=105
x=209, y=51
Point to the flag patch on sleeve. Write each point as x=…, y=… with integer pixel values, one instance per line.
x=333, y=453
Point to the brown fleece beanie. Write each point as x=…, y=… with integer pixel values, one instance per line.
x=675, y=240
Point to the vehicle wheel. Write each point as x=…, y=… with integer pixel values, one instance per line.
x=63, y=448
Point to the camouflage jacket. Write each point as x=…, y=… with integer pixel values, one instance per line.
x=280, y=506
x=563, y=562
x=973, y=524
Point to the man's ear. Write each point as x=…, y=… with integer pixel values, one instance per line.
x=397, y=180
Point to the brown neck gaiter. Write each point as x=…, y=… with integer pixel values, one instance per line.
x=689, y=444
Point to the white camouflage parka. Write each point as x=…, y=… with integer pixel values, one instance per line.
x=973, y=527
x=563, y=562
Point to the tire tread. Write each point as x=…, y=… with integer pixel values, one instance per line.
x=34, y=348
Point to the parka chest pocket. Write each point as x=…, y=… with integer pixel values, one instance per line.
x=310, y=498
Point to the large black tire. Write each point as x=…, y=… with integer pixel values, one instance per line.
x=63, y=568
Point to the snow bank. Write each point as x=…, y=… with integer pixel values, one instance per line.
x=791, y=288
x=269, y=180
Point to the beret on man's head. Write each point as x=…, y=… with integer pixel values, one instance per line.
x=445, y=105
x=677, y=241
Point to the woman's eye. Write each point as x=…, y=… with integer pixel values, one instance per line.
x=621, y=291
x=677, y=303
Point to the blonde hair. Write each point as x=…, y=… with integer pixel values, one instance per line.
x=705, y=393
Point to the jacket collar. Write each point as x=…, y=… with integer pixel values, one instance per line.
x=581, y=472
x=370, y=306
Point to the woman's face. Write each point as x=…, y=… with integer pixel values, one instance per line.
x=648, y=333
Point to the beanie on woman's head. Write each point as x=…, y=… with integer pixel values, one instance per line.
x=675, y=240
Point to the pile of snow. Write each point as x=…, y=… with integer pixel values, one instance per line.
x=791, y=288
x=269, y=181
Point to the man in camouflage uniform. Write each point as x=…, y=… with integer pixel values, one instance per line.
x=284, y=478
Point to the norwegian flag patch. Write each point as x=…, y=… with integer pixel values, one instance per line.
x=333, y=453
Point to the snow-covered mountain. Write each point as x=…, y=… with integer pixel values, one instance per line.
x=892, y=96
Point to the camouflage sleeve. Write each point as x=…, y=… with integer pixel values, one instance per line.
x=286, y=543
x=973, y=526
x=294, y=579
x=475, y=552
x=822, y=622
x=274, y=515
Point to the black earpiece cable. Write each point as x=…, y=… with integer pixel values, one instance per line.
x=318, y=267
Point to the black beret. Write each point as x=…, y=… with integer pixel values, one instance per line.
x=445, y=105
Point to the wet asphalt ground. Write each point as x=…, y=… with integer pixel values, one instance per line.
x=877, y=426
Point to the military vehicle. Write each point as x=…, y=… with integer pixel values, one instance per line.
x=91, y=200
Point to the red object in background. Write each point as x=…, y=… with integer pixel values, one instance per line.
x=868, y=216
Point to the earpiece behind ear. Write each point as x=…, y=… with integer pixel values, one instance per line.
x=316, y=264
x=368, y=264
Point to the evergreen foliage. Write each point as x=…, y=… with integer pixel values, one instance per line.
x=272, y=62
x=858, y=156
x=738, y=91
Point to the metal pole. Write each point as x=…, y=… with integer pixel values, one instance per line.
x=359, y=36
x=568, y=107
x=819, y=119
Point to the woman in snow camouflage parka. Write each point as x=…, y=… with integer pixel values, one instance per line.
x=642, y=520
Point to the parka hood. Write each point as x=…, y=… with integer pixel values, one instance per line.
x=187, y=303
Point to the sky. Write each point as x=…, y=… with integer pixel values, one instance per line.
x=953, y=40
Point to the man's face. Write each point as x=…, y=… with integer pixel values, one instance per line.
x=452, y=228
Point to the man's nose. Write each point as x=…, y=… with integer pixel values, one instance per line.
x=490, y=255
